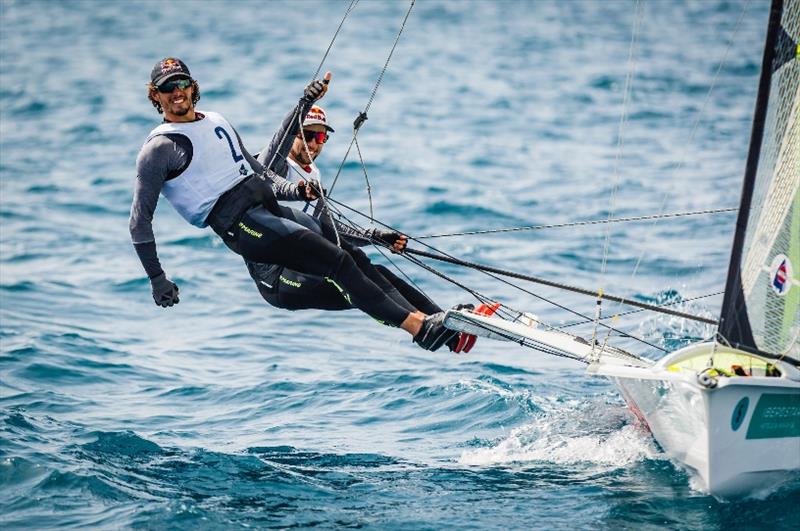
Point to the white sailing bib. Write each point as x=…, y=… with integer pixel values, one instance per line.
x=217, y=165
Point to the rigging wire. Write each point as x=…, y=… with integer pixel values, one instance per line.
x=559, y=285
x=323, y=200
x=362, y=229
x=420, y=263
x=581, y=223
x=484, y=298
x=356, y=126
x=366, y=178
x=690, y=140
x=362, y=117
x=352, y=6
x=630, y=312
x=410, y=280
x=491, y=273
x=480, y=297
x=623, y=120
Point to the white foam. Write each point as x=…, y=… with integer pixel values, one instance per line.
x=561, y=438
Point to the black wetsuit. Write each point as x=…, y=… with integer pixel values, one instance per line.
x=291, y=289
x=296, y=289
x=250, y=221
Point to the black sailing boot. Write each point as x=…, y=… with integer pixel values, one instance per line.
x=433, y=333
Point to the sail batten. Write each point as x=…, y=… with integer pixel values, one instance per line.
x=761, y=308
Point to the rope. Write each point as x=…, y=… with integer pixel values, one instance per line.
x=581, y=223
x=623, y=120
x=362, y=117
x=352, y=5
x=489, y=272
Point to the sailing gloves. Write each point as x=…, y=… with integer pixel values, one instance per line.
x=165, y=291
x=315, y=90
x=396, y=241
x=309, y=191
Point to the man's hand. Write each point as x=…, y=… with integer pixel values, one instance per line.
x=396, y=241
x=317, y=88
x=165, y=291
x=310, y=190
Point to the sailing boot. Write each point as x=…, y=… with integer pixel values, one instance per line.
x=433, y=333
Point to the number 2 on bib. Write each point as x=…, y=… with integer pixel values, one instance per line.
x=222, y=132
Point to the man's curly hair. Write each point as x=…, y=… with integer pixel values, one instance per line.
x=151, y=89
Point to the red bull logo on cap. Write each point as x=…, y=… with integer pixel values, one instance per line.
x=316, y=114
x=169, y=65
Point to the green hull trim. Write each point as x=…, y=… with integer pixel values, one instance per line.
x=775, y=416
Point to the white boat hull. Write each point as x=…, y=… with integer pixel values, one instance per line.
x=738, y=435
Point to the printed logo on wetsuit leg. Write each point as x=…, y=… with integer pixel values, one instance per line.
x=250, y=231
x=291, y=283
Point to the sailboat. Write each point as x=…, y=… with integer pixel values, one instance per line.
x=726, y=409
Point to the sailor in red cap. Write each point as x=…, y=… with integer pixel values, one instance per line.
x=288, y=288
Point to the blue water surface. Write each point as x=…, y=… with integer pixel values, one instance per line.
x=223, y=412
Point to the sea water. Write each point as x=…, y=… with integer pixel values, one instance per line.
x=223, y=412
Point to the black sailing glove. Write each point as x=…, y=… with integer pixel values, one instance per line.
x=390, y=238
x=309, y=191
x=165, y=291
x=315, y=90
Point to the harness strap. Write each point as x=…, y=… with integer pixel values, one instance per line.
x=231, y=206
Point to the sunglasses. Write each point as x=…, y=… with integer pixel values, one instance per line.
x=169, y=86
x=320, y=136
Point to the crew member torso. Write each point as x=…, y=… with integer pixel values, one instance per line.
x=217, y=165
x=305, y=172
